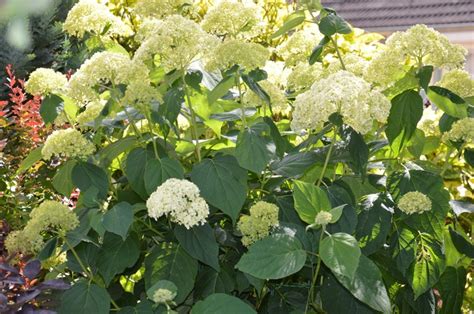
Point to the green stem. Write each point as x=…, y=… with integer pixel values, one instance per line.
x=315, y=274
x=155, y=148
x=193, y=122
x=446, y=161
x=242, y=107
x=78, y=259
x=328, y=156
x=334, y=42
x=134, y=127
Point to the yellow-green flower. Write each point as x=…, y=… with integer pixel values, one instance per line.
x=414, y=203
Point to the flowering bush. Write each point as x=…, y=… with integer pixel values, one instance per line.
x=254, y=157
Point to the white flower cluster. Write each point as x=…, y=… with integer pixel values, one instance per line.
x=459, y=82
x=45, y=81
x=419, y=45
x=178, y=41
x=89, y=16
x=344, y=93
x=180, y=201
x=299, y=45
x=277, y=97
x=67, y=143
x=163, y=296
x=461, y=131
x=304, y=75
x=414, y=203
x=91, y=112
x=160, y=8
x=231, y=18
x=323, y=218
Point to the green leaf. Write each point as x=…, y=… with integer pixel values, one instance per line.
x=85, y=298
x=406, y=111
x=50, y=108
x=336, y=299
x=210, y=281
x=309, y=201
x=373, y=224
x=333, y=24
x=358, y=151
x=447, y=101
x=88, y=253
x=112, y=151
x=118, y=219
x=135, y=168
x=171, y=262
x=221, y=89
x=451, y=289
x=157, y=171
x=424, y=76
x=33, y=157
x=469, y=156
x=403, y=249
x=90, y=178
x=273, y=257
x=292, y=21
x=294, y=164
x=336, y=213
x=48, y=249
x=222, y=183
x=462, y=244
x=200, y=243
x=62, y=180
x=282, y=144
x=219, y=303
x=429, y=266
x=116, y=255
x=318, y=50
x=255, y=147
x=367, y=285
x=340, y=252
x=252, y=83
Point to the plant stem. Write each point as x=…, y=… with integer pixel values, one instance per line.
x=193, y=122
x=134, y=127
x=334, y=42
x=315, y=274
x=78, y=259
x=155, y=148
x=446, y=160
x=242, y=107
x=328, y=156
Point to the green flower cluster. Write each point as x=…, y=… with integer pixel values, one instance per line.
x=263, y=216
x=414, y=203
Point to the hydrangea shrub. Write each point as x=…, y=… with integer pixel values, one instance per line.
x=254, y=156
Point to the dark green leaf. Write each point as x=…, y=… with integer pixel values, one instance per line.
x=469, y=156
x=318, y=50
x=309, y=201
x=200, y=243
x=222, y=183
x=116, y=255
x=219, y=303
x=292, y=21
x=403, y=249
x=406, y=111
x=157, y=171
x=88, y=254
x=295, y=164
x=118, y=219
x=340, y=252
x=171, y=262
x=462, y=244
x=48, y=249
x=112, y=151
x=255, y=147
x=33, y=157
x=210, y=281
x=62, y=180
x=451, y=289
x=135, y=168
x=89, y=177
x=447, y=101
x=85, y=298
x=334, y=24
x=221, y=89
x=424, y=76
x=50, y=108
x=256, y=88
x=273, y=257
x=358, y=150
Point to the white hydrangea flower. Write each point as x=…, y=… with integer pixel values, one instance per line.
x=353, y=63
x=231, y=17
x=180, y=201
x=277, y=73
x=304, y=75
x=341, y=92
x=160, y=8
x=92, y=111
x=414, y=203
x=91, y=16
x=461, y=131
x=297, y=48
x=163, y=296
x=429, y=122
x=178, y=41
x=45, y=81
x=277, y=97
x=67, y=143
x=459, y=82
x=233, y=51
x=323, y=218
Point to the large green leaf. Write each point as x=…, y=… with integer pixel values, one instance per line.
x=118, y=219
x=91, y=180
x=62, y=180
x=318, y=50
x=429, y=266
x=157, y=171
x=340, y=252
x=85, y=298
x=88, y=253
x=112, y=151
x=274, y=257
x=451, y=289
x=462, y=244
x=309, y=201
x=403, y=248
x=374, y=224
x=116, y=255
x=424, y=76
x=221, y=89
x=33, y=157
x=210, y=281
x=51, y=107
x=292, y=21
x=367, y=285
x=406, y=111
x=222, y=183
x=447, y=101
x=135, y=168
x=358, y=151
x=219, y=303
x=255, y=147
x=333, y=24
x=294, y=164
x=171, y=262
x=200, y=243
